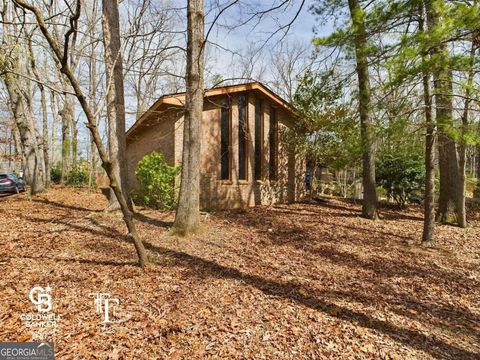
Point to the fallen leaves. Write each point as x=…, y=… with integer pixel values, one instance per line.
x=303, y=281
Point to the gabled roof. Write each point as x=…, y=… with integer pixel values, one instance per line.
x=178, y=99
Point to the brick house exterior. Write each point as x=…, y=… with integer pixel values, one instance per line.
x=244, y=161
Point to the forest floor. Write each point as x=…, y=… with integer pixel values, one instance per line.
x=301, y=281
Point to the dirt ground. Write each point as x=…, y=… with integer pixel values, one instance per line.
x=301, y=281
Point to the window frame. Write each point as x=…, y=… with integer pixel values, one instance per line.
x=226, y=100
x=245, y=136
x=273, y=134
x=258, y=141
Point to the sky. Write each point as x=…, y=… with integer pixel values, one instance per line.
x=231, y=43
x=253, y=34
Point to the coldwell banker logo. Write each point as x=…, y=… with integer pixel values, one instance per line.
x=26, y=351
x=42, y=322
x=41, y=297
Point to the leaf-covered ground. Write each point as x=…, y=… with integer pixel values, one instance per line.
x=303, y=281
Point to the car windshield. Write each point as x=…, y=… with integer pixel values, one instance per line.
x=3, y=176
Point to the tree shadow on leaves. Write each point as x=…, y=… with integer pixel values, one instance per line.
x=152, y=221
x=318, y=301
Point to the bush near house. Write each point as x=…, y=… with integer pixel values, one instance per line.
x=401, y=174
x=56, y=174
x=78, y=176
x=157, y=182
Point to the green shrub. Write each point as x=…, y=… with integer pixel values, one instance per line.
x=56, y=174
x=157, y=181
x=77, y=177
x=401, y=174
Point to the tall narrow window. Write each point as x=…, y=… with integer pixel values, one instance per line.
x=225, y=140
x=272, y=139
x=258, y=139
x=242, y=137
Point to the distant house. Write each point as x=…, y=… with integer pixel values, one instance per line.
x=243, y=160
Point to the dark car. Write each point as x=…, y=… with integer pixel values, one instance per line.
x=10, y=183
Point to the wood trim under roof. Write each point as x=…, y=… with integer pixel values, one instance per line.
x=178, y=100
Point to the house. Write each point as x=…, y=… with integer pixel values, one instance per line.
x=244, y=159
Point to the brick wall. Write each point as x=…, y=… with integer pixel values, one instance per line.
x=158, y=134
x=165, y=134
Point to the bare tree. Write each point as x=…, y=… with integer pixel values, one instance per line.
x=150, y=50
x=43, y=102
x=187, y=219
x=290, y=61
x=21, y=105
x=115, y=99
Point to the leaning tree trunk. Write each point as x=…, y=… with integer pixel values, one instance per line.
x=369, y=209
x=115, y=100
x=428, y=236
x=447, y=151
x=187, y=219
x=106, y=163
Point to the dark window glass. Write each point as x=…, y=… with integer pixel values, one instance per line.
x=225, y=140
x=272, y=139
x=258, y=139
x=242, y=137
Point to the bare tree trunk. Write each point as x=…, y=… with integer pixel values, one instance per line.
x=93, y=105
x=53, y=138
x=66, y=113
x=369, y=208
x=462, y=148
x=46, y=147
x=31, y=153
x=18, y=144
x=20, y=104
x=187, y=219
x=428, y=237
x=448, y=161
x=74, y=139
x=43, y=102
x=115, y=99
